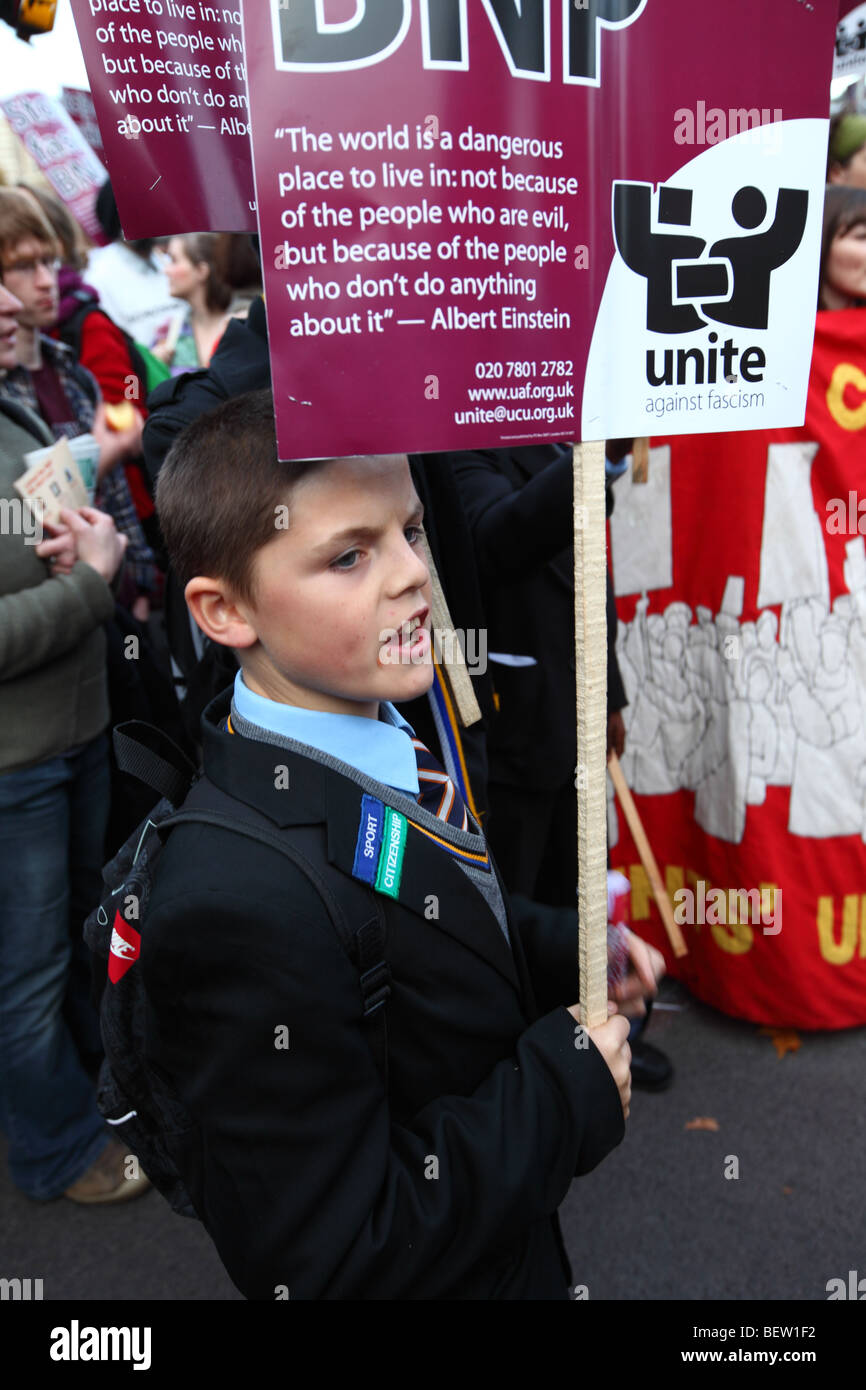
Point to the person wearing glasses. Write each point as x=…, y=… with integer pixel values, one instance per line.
x=55, y=598
x=49, y=381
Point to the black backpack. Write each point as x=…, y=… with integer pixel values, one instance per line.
x=140, y=1105
x=146, y=367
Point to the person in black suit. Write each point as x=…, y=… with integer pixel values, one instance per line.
x=518, y=503
x=519, y=506
x=312, y=1174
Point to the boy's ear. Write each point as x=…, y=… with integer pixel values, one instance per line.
x=218, y=613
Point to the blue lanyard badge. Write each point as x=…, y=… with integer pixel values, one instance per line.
x=369, y=840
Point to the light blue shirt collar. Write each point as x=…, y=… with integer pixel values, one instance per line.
x=382, y=749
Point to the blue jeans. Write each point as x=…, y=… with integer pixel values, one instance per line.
x=52, y=832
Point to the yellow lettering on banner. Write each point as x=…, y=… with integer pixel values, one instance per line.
x=771, y=907
x=674, y=877
x=641, y=892
x=846, y=374
x=734, y=937
x=842, y=951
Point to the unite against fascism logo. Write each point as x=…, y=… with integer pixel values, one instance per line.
x=691, y=284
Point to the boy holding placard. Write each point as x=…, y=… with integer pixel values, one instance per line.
x=319, y=1171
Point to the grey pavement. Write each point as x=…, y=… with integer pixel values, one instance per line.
x=658, y=1219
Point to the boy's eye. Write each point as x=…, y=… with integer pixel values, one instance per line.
x=413, y=534
x=345, y=562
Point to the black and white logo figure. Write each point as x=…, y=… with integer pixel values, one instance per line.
x=851, y=33
x=731, y=282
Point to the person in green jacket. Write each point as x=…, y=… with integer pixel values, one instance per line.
x=55, y=595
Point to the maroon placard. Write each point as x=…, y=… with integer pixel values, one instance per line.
x=62, y=153
x=439, y=188
x=82, y=113
x=168, y=84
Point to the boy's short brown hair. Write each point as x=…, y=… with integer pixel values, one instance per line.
x=22, y=219
x=220, y=492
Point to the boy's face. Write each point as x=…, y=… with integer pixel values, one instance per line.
x=30, y=273
x=9, y=310
x=335, y=585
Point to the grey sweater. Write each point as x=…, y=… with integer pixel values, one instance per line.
x=53, y=693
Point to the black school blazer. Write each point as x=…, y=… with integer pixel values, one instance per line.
x=311, y=1180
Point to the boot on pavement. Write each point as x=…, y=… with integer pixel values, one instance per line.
x=106, y=1180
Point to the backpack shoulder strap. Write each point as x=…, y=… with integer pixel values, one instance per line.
x=70, y=329
x=364, y=945
x=148, y=754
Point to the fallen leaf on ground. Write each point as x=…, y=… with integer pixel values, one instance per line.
x=787, y=1191
x=784, y=1039
x=702, y=1122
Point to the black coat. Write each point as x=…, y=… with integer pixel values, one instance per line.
x=304, y=1171
x=519, y=505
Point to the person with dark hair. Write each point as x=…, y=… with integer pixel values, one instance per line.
x=846, y=155
x=131, y=283
x=237, y=264
x=843, y=249
x=193, y=277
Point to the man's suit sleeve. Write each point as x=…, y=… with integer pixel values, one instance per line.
x=549, y=937
x=297, y=1171
x=616, y=696
x=515, y=531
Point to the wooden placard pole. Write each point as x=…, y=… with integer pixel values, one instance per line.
x=590, y=647
x=453, y=665
x=640, y=460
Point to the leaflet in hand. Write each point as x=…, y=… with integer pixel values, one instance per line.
x=52, y=482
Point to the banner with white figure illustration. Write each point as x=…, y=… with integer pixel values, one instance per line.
x=746, y=679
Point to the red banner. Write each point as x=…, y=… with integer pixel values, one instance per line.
x=740, y=572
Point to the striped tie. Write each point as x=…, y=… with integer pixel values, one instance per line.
x=438, y=794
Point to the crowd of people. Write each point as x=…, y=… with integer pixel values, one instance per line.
x=258, y=649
